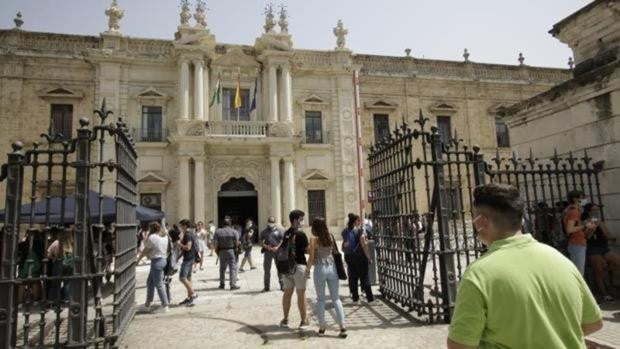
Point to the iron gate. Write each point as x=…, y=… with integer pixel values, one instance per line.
x=56, y=252
x=422, y=193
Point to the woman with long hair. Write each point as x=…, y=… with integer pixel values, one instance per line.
x=246, y=244
x=156, y=248
x=357, y=256
x=321, y=250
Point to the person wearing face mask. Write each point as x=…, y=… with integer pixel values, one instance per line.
x=577, y=231
x=246, y=245
x=357, y=257
x=520, y=293
x=270, y=238
x=598, y=251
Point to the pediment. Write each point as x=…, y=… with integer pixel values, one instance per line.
x=315, y=175
x=312, y=99
x=151, y=177
x=60, y=92
x=443, y=107
x=237, y=58
x=152, y=92
x=498, y=109
x=380, y=104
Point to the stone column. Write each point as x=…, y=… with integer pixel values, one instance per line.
x=273, y=94
x=199, y=189
x=183, y=190
x=205, y=93
x=183, y=89
x=289, y=184
x=198, y=91
x=275, y=189
x=285, y=94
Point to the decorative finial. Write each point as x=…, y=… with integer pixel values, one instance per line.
x=571, y=63
x=340, y=33
x=18, y=20
x=270, y=23
x=200, y=15
x=466, y=55
x=521, y=58
x=283, y=23
x=114, y=13
x=408, y=52
x=185, y=13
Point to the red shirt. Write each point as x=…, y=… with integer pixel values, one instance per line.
x=572, y=213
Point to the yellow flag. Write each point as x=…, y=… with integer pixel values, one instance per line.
x=238, y=94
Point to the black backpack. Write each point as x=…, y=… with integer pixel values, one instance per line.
x=285, y=255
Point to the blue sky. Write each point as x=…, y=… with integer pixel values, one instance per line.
x=494, y=31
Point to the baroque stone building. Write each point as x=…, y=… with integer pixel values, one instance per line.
x=203, y=157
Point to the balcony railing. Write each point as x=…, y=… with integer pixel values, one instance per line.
x=325, y=138
x=149, y=135
x=236, y=128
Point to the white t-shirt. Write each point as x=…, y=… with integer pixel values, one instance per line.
x=157, y=246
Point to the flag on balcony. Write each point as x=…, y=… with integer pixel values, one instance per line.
x=238, y=92
x=253, y=104
x=217, y=94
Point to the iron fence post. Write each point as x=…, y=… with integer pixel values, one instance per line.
x=79, y=299
x=8, y=300
x=479, y=167
x=446, y=257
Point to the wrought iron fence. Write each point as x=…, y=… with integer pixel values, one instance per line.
x=422, y=194
x=56, y=252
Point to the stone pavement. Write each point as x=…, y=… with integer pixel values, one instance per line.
x=247, y=318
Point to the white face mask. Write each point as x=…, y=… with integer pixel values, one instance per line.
x=584, y=202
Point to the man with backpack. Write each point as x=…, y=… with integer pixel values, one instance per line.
x=226, y=242
x=189, y=248
x=291, y=263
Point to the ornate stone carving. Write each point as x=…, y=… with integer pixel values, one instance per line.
x=196, y=130
x=114, y=13
x=521, y=58
x=270, y=23
x=224, y=169
x=200, y=15
x=340, y=32
x=18, y=20
x=466, y=55
x=280, y=129
x=283, y=23
x=185, y=12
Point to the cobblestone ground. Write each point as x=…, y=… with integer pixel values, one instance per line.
x=247, y=318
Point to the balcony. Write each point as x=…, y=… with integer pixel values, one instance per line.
x=310, y=140
x=236, y=128
x=149, y=135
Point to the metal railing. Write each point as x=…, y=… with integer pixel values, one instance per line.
x=149, y=135
x=236, y=128
x=311, y=139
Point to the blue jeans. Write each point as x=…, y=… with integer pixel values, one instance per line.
x=156, y=281
x=578, y=256
x=326, y=273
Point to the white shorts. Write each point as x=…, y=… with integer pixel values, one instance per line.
x=297, y=279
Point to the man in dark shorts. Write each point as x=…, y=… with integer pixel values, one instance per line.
x=189, y=252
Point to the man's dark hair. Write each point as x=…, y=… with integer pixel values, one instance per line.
x=295, y=214
x=185, y=222
x=574, y=194
x=227, y=221
x=504, y=203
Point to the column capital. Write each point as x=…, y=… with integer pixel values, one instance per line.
x=198, y=61
x=183, y=157
x=275, y=157
x=288, y=159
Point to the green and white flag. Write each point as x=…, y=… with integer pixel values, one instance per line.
x=217, y=94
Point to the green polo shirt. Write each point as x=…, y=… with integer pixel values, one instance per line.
x=522, y=294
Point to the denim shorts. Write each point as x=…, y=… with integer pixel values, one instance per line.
x=185, y=272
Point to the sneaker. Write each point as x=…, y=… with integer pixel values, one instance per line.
x=343, y=333
x=221, y=287
x=284, y=323
x=321, y=332
x=194, y=296
x=241, y=270
x=265, y=290
x=186, y=301
x=252, y=268
x=303, y=324
x=162, y=310
x=232, y=288
x=145, y=307
x=190, y=303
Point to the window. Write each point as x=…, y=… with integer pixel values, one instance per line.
x=229, y=112
x=151, y=124
x=316, y=204
x=314, y=130
x=382, y=127
x=445, y=128
x=62, y=120
x=501, y=131
x=151, y=201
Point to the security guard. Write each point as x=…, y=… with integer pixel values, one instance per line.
x=226, y=240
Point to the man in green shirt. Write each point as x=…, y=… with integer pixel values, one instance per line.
x=520, y=293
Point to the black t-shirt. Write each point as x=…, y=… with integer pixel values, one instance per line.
x=191, y=253
x=301, y=244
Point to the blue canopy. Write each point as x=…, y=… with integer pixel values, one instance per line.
x=108, y=210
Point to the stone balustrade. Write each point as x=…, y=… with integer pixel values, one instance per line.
x=236, y=128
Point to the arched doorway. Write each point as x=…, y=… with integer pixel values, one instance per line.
x=238, y=199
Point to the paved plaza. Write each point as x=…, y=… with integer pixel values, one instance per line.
x=248, y=318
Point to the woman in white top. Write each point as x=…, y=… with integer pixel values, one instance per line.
x=156, y=249
x=201, y=233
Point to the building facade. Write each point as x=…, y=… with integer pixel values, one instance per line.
x=292, y=141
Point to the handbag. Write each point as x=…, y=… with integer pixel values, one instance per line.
x=342, y=274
